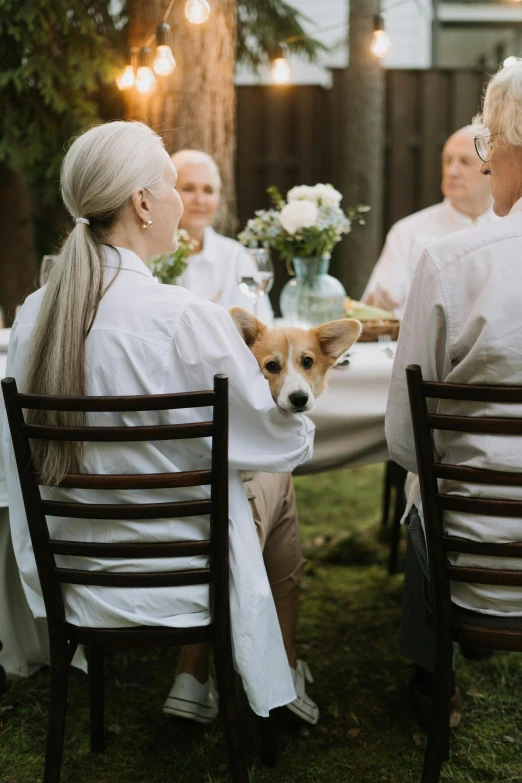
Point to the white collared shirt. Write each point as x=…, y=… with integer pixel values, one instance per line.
x=463, y=324
x=407, y=239
x=213, y=274
x=149, y=338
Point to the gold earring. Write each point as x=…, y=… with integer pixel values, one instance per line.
x=147, y=225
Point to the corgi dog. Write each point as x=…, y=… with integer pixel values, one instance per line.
x=295, y=361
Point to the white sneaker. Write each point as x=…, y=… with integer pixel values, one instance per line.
x=191, y=699
x=303, y=706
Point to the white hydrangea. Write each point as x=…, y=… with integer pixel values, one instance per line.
x=301, y=193
x=328, y=195
x=298, y=214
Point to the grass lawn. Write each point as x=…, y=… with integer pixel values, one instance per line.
x=348, y=635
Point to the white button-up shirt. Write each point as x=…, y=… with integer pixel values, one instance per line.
x=463, y=324
x=155, y=339
x=213, y=274
x=407, y=239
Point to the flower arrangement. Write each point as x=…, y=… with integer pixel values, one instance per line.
x=308, y=224
x=168, y=267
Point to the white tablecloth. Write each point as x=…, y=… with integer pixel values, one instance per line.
x=349, y=418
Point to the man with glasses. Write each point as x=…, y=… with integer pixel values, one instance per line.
x=467, y=203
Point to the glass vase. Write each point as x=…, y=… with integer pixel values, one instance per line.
x=312, y=297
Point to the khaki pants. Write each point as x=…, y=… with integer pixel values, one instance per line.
x=272, y=501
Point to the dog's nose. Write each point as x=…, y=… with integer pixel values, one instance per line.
x=298, y=399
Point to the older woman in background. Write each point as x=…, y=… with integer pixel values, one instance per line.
x=218, y=261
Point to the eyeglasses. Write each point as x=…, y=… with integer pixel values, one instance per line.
x=484, y=146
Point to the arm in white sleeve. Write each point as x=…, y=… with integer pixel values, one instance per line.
x=391, y=272
x=261, y=437
x=422, y=341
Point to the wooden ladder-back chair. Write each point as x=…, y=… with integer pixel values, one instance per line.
x=450, y=621
x=64, y=637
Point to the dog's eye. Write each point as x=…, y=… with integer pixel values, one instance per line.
x=307, y=362
x=272, y=367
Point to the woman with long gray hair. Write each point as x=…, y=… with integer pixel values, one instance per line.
x=103, y=326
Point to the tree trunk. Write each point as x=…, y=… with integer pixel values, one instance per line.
x=18, y=264
x=362, y=157
x=196, y=105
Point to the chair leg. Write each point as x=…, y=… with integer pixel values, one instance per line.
x=225, y=676
x=268, y=742
x=56, y=719
x=386, y=495
x=96, y=700
x=437, y=749
x=400, y=505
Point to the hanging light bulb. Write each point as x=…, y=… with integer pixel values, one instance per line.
x=381, y=42
x=145, y=79
x=126, y=78
x=164, y=62
x=281, y=72
x=197, y=11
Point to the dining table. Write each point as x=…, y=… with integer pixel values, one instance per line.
x=349, y=419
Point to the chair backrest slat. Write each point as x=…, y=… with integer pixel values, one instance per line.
x=471, y=393
x=478, y=475
x=204, y=429
x=484, y=548
x=486, y=506
x=192, y=478
x=215, y=550
x=487, y=425
x=484, y=576
x=153, y=402
x=73, y=576
x=133, y=551
x=188, y=508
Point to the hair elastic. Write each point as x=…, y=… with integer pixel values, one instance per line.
x=82, y=220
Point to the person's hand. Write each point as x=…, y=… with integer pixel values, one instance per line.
x=381, y=297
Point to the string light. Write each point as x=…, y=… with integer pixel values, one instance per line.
x=164, y=62
x=281, y=72
x=145, y=79
x=126, y=78
x=381, y=43
x=197, y=11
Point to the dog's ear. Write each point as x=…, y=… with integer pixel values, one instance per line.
x=336, y=337
x=246, y=324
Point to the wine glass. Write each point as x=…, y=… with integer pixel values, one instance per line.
x=258, y=280
x=46, y=268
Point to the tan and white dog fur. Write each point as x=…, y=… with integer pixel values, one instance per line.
x=294, y=361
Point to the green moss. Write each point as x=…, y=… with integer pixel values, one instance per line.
x=348, y=635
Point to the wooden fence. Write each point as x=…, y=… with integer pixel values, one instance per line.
x=293, y=135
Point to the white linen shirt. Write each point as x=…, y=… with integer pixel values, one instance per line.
x=149, y=338
x=407, y=239
x=213, y=274
x=463, y=324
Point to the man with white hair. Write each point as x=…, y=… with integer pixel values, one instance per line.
x=467, y=203
x=463, y=325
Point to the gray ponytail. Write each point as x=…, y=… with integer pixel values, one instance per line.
x=101, y=170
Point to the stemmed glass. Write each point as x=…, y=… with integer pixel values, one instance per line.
x=256, y=283
x=46, y=268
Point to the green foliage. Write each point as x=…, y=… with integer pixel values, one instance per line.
x=167, y=268
x=54, y=56
x=263, y=24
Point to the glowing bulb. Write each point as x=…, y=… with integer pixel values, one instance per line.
x=197, y=11
x=145, y=80
x=281, y=71
x=126, y=78
x=164, y=62
x=380, y=43
x=510, y=61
